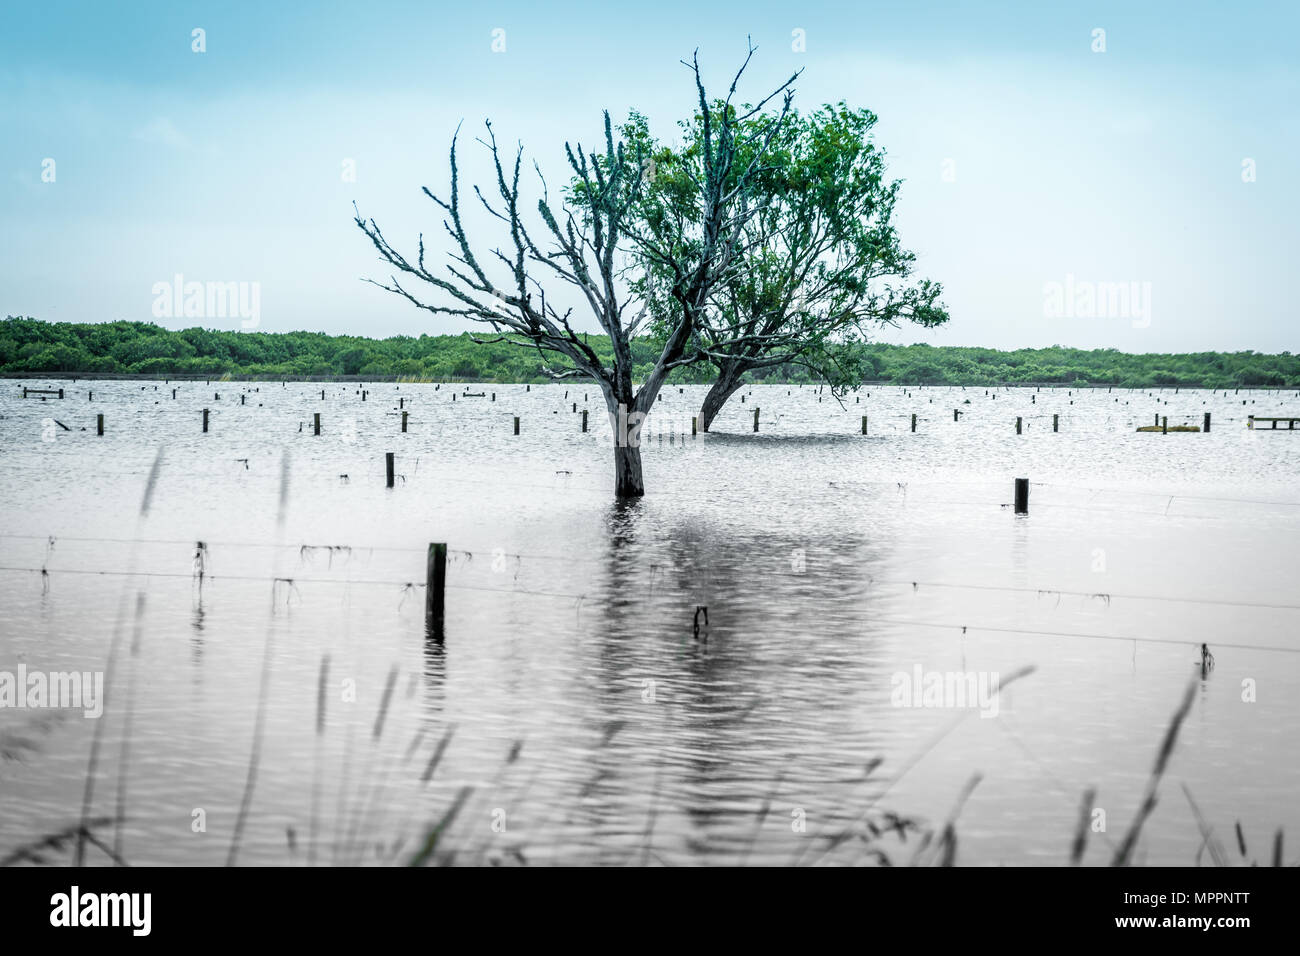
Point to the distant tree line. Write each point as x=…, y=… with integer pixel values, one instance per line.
x=32, y=347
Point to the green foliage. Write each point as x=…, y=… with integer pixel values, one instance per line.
x=31, y=347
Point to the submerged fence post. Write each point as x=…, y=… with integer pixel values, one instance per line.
x=435, y=583
x=404, y=414
x=913, y=421
x=584, y=419
x=864, y=424
x=1207, y=422
x=388, y=465
x=99, y=423
x=1056, y=423
x=316, y=423
x=954, y=414
x=1022, y=496
x=695, y=424
x=755, y=419
x=205, y=419
x=1164, y=425
x=1017, y=424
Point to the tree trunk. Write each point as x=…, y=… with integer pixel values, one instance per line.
x=728, y=383
x=628, y=482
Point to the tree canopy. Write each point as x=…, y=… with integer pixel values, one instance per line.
x=821, y=266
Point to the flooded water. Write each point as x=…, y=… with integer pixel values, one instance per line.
x=572, y=714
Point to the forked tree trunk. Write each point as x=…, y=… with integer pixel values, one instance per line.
x=728, y=383
x=628, y=482
x=625, y=423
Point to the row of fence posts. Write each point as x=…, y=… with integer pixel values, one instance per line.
x=1161, y=422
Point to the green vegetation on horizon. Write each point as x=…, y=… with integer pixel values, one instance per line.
x=32, y=347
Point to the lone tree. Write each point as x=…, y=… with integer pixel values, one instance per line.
x=820, y=265
x=607, y=215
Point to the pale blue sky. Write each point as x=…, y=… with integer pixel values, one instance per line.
x=1122, y=166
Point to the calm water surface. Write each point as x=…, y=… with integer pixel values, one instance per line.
x=571, y=714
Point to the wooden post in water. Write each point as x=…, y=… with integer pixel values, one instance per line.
x=584, y=419
x=388, y=467
x=1207, y=422
x=205, y=419
x=1056, y=423
x=913, y=421
x=1157, y=418
x=1164, y=425
x=864, y=424
x=99, y=423
x=435, y=584
x=316, y=423
x=954, y=414
x=755, y=419
x=404, y=414
x=242, y=396
x=173, y=394
x=516, y=424
x=401, y=403
x=1022, y=496
x=1017, y=424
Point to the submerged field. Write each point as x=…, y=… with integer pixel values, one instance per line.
x=572, y=714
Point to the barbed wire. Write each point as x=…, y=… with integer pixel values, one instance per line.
x=568, y=560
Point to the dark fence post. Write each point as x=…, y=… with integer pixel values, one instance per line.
x=435, y=587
